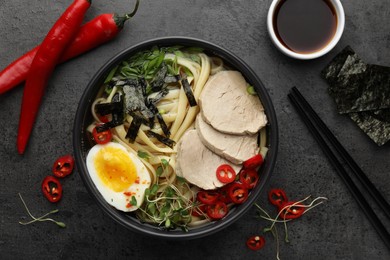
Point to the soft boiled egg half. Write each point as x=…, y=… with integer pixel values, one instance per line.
x=119, y=175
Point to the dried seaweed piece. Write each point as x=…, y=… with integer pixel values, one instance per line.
x=362, y=91
x=353, y=65
x=135, y=125
x=377, y=130
x=365, y=91
x=189, y=93
x=135, y=101
x=382, y=114
x=115, y=108
x=165, y=140
x=330, y=72
x=160, y=119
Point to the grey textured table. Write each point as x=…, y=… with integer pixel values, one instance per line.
x=335, y=230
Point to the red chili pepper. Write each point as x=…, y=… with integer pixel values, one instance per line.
x=102, y=137
x=224, y=194
x=52, y=188
x=217, y=210
x=63, y=166
x=255, y=242
x=249, y=178
x=94, y=33
x=291, y=210
x=43, y=64
x=238, y=193
x=253, y=162
x=207, y=197
x=225, y=173
x=277, y=197
x=199, y=210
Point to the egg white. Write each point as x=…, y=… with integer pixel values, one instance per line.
x=120, y=200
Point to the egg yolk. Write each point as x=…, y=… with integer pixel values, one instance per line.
x=115, y=168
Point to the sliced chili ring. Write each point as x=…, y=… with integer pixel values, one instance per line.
x=225, y=173
x=63, y=166
x=277, y=197
x=253, y=162
x=238, y=193
x=217, y=210
x=52, y=188
x=291, y=210
x=207, y=197
x=224, y=194
x=101, y=137
x=255, y=242
x=249, y=178
x=199, y=210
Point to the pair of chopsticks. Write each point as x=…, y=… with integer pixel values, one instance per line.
x=319, y=130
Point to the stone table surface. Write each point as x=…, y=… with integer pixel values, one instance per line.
x=337, y=229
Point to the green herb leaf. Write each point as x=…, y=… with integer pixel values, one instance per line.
x=154, y=189
x=143, y=155
x=159, y=171
x=133, y=201
x=167, y=223
x=111, y=75
x=164, y=162
x=251, y=90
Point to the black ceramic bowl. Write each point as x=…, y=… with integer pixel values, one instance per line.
x=82, y=144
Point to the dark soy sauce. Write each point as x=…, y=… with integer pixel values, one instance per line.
x=305, y=26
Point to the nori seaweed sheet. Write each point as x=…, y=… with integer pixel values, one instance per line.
x=377, y=130
x=369, y=90
x=362, y=91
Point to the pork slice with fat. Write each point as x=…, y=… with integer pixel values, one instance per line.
x=197, y=164
x=234, y=148
x=226, y=105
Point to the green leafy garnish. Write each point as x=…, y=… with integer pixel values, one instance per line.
x=165, y=204
x=143, y=155
x=133, y=201
x=251, y=90
x=41, y=218
x=111, y=75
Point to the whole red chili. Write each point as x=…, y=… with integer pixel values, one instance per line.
x=249, y=178
x=238, y=193
x=277, y=197
x=43, y=64
x=291, y=210
x=52, y=188
x=255, y=242
x=92, y=34
x=217, y=210
x=63, y=166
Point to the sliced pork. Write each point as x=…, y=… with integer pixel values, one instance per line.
x=197, y=164
x=234, y=148
x=228, y=107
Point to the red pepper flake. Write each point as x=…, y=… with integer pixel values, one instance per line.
x=128, y=193
x=128, y=205
x=137, y=180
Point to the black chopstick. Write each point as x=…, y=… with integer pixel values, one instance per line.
x=362, y=202
x=375, y=194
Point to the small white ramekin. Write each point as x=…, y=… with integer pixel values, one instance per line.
x=303, y=56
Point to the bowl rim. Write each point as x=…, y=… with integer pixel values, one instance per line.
x=136, y=225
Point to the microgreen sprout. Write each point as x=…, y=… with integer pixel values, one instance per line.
x=281, y=217
x=166, y=203
x=41, y=218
